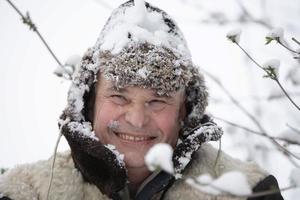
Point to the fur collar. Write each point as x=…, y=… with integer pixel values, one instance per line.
x=101, y=167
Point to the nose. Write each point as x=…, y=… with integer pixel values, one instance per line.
x=137, y=116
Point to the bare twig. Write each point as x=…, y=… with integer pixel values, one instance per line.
x=218, y=157
x=293, y=162
x=254, y=120
x=28, y=21
x=293, y=128
x=253, y=195
x=52, y=166
x=234, y=100
x=295, y=40
x=286, y=47
x=257, y=132
x=279, y=96
x=246, y=16
x=286, y=94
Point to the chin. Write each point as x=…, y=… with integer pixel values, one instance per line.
x=133, y=160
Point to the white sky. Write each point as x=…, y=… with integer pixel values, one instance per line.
x=32, y=97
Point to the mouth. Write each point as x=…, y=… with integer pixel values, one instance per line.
x=133, y=138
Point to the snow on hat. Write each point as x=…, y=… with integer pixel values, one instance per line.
x=140, y=45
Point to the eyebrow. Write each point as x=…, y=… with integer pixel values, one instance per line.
x=113, y=88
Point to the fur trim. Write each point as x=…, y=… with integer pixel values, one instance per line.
x=203, y=162
x=30, y=181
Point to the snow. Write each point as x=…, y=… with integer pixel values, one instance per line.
x=143, y=72
x=295, y=177
x=140, y=11
x=234, y=35
x=84, y=127
x=76, y=97
x=27, y=66
x=113, y=124
x=276, y=34
x=273, y=63
x=160, y=157
x=185, y=160
x=137, y=24
x=119, y=156
x=70, y=66
x=233, y=182
x=73, y=60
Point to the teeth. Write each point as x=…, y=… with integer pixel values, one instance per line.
x=132, y=138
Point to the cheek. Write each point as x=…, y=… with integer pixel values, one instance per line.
x=168, y=122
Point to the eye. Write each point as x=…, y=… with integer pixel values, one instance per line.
x=157, y=104
x=118, y=99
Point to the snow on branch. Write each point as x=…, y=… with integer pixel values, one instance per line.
x=276, y=34
x=270, y=73
x=65, y=71
x=160, y=157
x=234, y=35
x=233, y=182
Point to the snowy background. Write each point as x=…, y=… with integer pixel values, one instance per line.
x=32, y=97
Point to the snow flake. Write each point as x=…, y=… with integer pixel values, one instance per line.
x=160, y=157
x=233, y=182
x=85, y=128
x=113, y=124
x=272, y=65
x=119, y=156
x=275, y=34
x=75, y=96
x=73, y=60
x=143, y=72
x=68, y=69
x=234, y=35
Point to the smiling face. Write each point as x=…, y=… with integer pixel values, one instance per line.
x=134, y=119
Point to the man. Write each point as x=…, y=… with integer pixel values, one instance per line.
x=135, y=88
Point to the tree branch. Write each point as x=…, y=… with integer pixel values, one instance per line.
x=270, y=75
x=27, y=20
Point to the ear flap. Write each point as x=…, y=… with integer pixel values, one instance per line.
x=97, y=164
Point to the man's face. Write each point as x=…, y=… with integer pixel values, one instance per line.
x=134, y=119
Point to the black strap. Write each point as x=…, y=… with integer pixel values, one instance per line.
x=269, y=183
x=162, y=181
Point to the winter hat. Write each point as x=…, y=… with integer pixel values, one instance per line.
x=140, y=45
